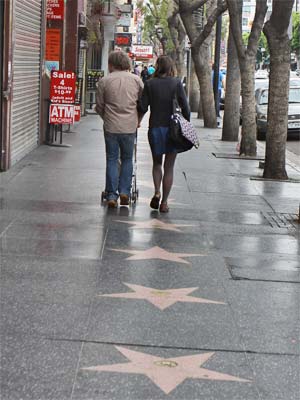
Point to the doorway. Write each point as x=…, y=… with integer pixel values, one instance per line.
x=1, y=79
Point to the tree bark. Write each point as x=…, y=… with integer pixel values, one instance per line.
x=231, y=121
x=203, y=72
x=279, y=44
x=248, y=142
x=201, y=57
x=178, y=34
x=247, y=59
x=194, y=90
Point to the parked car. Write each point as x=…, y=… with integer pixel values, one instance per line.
x=262, y=98
x=261, y=74
x=264, y=83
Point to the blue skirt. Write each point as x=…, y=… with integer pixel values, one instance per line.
x=159, y=140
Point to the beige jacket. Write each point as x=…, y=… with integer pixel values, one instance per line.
x=117, y=97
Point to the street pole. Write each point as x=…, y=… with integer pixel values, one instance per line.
x=188, y=67
x=217, y=63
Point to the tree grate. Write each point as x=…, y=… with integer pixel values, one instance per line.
x=282, y=220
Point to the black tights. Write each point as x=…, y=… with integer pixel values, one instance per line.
x=166, y=176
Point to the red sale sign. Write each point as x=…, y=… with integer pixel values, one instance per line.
x=62, y=89
x=61, y=114
x=77, y=113
x=55, y=9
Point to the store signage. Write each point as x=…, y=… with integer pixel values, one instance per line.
x=124, y=20
x=52, y=44
x=61, y=114
x=63, y=86
x=141, y=51
x=77, y=113
x=55, y=9
x=123, y=39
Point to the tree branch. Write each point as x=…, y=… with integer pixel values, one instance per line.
x=222, y=6
x=187, y=7
x=235, y=26
x=259, y=18
x=280, y=16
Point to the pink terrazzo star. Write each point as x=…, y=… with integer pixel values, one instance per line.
x=149, y=184
x=166, y=373
x=161, y=298
x=155, y=224
x=146, y=200
x=157, y=253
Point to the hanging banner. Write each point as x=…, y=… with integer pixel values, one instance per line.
x=61, y=114
x=142, y=51
x=63, y=86
x=52, y=44
x=55, y=10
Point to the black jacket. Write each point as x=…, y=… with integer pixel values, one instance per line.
x=159, y=94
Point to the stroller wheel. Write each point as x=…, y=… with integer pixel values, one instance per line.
x=133, y=197
x=103, y=196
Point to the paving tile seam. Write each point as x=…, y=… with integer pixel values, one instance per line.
x=234, y=278
x=7, y=228
x=152, y=346
x=47, y=239
x=54, y=257
x=227, y=193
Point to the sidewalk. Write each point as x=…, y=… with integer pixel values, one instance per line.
x=128, y=304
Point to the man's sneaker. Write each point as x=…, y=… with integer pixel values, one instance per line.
x=124, y=200
x=112, y=203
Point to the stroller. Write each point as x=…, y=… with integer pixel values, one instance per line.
x=134, y=194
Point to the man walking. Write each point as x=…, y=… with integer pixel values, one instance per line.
x=117, y=97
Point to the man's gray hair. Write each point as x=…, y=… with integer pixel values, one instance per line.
x=119, y=60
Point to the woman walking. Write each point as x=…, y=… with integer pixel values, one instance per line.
x=159, y=93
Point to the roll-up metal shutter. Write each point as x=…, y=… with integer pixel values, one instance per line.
x=26, y=77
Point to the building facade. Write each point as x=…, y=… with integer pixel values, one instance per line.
x=30, y=40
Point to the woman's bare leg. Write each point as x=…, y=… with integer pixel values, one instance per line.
x=168, y=175
x=157, y=172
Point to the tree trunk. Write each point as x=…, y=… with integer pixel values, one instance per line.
x=201, y=58
x=247, y=58
x=200, y=108
x=248, y=143
x=279, y=45
x=203, y=72
x=194, y=90
x=178, y=34
x=231, y=121
x=180, y=62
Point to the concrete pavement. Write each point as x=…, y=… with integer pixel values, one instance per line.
x=200, y=303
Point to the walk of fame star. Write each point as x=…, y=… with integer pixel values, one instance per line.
x=155, y=224
x=149, y=184
x=157, y=253
x=166, y=373
x=161, y=298
x=146, y=200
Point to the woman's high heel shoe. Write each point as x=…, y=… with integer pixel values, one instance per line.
x=164, y=208
x=154, y=203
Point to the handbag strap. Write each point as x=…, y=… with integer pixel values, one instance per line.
x=176, y=106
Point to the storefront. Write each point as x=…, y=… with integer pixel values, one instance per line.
x=26, y=58
x=21, y=78
x=2, y=144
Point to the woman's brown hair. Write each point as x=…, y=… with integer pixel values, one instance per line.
x=119, y=60
x=164, y=67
